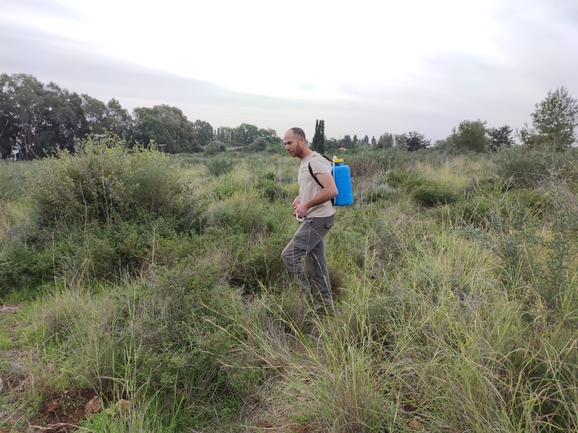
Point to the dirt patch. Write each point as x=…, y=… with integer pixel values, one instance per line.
x=64, y=412
x=9, y=308
x=59, y=413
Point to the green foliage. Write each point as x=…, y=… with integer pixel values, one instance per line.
x=100, y=216
x=413, y=141
x=245, y=134
x=318, y=142
x=469, y=304
x=269, y=188
x=26, y=267
x=103, y=182
x=168, y=127
x=219, y=166
x=106, y=118
x=214, y=148
x=554, y=122
x=532, y=167
x=259, y=145
x=470, y=136
x=433, y=193
x=385, y=141
x=12, y=179
x=203, y=132
x=500, y=137
x=41, y=119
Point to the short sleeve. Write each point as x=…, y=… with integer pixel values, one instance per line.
x=320, y=165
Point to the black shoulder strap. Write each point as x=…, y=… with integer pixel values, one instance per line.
x=311, y=170
x=317, y=180
x=314, y=177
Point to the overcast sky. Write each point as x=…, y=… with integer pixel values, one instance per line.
x=364, y=66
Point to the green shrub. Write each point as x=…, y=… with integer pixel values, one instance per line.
x=405, y=180
x=532, y=168
x=214, y=148
x=382, y=192
x=242, y=213
x=433, y=193
x=218, y=166
x=474, y=210
x=224, y=188
x=25, y=267
x=102, y=182
x=100, y=216
x=257, y=262
x=13, y=177
x=269, y=188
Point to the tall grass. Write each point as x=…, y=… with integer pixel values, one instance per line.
x=452, y=315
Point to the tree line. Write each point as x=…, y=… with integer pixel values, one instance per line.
x=554, y=123
x=37, y=120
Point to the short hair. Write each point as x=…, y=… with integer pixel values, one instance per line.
x=299, y=133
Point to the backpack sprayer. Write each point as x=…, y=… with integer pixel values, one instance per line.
x=342, y=177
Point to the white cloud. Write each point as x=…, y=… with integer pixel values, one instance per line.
x=384, y=66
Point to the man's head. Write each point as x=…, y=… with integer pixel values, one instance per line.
x=295, y=143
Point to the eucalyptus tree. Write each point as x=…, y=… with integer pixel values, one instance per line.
x=21, y=114
x=246, y=134
x=95, y=113
x=225, y=135
x=270, y=135
x=103, y=117
x=118, y=120
x=38, y=118
x=64, y=121
x=204, y=132
x=167, y=126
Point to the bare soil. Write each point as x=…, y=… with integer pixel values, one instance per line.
x=58, y=413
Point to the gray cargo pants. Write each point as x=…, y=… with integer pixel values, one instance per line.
x=309, y=241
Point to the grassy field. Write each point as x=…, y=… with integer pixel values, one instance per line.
x=142, y=292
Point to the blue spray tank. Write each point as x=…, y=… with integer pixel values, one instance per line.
x=342, y=177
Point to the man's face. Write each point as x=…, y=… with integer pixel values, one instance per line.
x=293, y=145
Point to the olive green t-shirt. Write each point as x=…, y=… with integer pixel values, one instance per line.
x=309, y=188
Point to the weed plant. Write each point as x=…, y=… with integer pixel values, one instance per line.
x=156, y=281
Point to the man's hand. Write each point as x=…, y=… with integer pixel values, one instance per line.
x=295, y=202
x=301, y=210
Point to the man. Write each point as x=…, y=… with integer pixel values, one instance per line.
x=314, y=208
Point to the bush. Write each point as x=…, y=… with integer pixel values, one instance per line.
x=99, y=217
x=533, y=168
x=269, y=188
x=214, y=148
x=433, y=193
x=13, y=176
x=102, y=182
x=219, y=166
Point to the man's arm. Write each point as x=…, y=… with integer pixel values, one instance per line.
x=328, y=191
